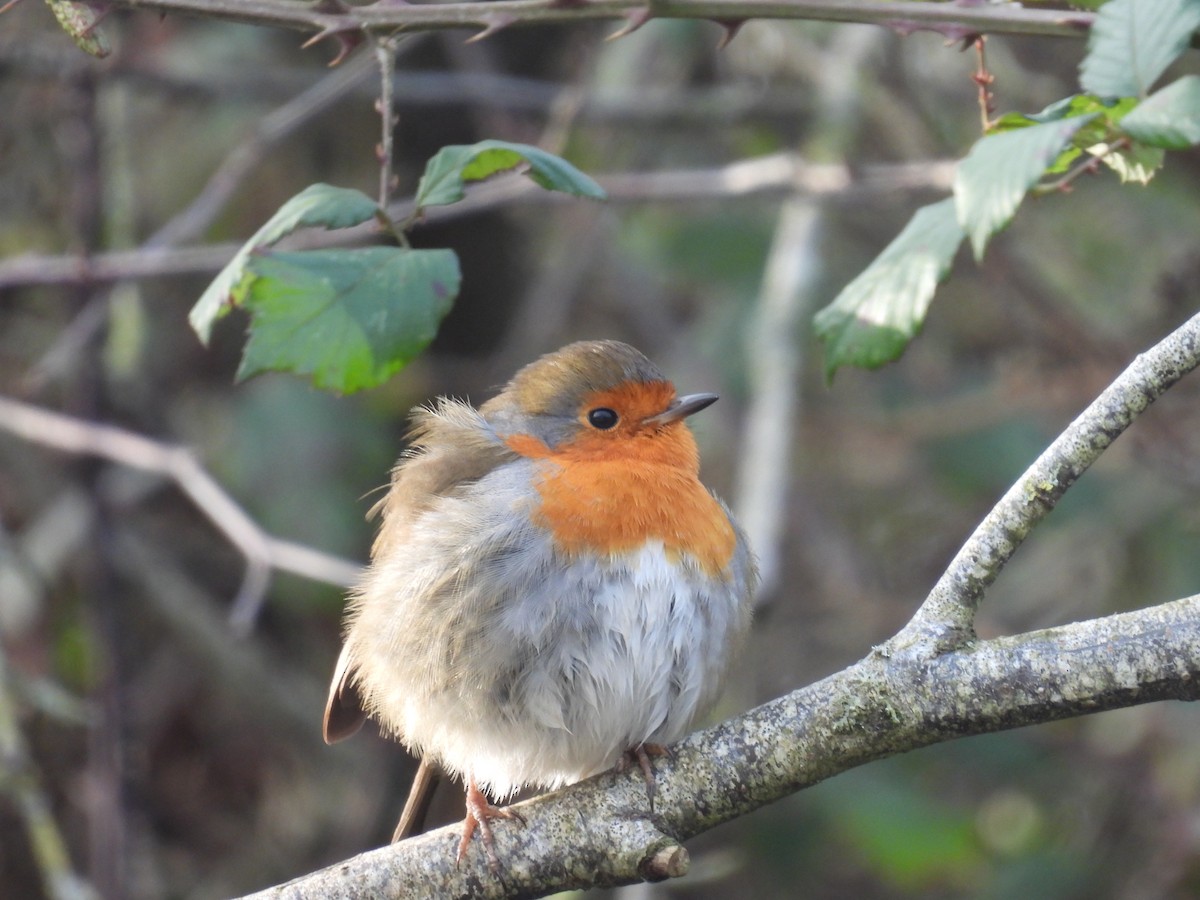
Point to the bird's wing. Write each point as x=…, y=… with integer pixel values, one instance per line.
x=344, y=712
x=453, y=446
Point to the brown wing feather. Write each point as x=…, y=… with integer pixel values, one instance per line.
x=451, y=448
x=344, y=713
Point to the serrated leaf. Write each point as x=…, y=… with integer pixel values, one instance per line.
x=1059, y=109
x=1108, y=111
x=1133, y=41
x=1169, y=118
x=1000, y=169
x=447, y=173
x=1075, y=105
x=318, y=205
x=875, y=316
x=348, y=318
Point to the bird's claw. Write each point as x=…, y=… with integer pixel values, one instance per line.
x=641, y=755
x=479, y=814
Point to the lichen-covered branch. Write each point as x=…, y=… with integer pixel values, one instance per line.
x=946, y=618
x=601, y=832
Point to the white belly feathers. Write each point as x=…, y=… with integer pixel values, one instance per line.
x=515, y=702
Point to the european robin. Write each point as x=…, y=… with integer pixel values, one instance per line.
x=552, y=589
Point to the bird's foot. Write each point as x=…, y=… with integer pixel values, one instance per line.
x=641, y=756
x=479, y=814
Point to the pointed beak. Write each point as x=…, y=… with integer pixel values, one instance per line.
x=682, y=408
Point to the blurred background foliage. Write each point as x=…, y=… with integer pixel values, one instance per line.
x=181, y=760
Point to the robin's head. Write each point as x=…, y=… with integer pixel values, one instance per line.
x=597, y=397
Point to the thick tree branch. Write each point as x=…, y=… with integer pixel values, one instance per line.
x=951, y=19
x=601, y=832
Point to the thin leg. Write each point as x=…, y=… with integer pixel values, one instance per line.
x=479, y=812
x=642, y=754
x=420, y=795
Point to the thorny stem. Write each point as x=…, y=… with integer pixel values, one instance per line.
x=907, y=15
x=385, y=52
x=984, y=80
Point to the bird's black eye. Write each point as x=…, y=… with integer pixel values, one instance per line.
x=603, y=418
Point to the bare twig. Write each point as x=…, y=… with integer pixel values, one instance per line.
x=191, y=222
x=385, y=54
x=780, y=172
x=262, y=551
x=984, y=80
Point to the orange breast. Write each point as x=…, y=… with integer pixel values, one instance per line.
x=614, y=503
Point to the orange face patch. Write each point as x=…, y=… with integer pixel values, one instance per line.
x=610, y=491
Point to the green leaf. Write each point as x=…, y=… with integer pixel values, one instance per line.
x=1133, y=41
x=1108, y=113
x=1064, y=161
x=1098, y=130
x=319, y=205
x=1011, y=121
x=1169, y=118
x=875, y=316
x=1075, y=105
x=349, y=318
x=81, y=21
x=1000, y=169
x=1112, y=108
x=452, y=167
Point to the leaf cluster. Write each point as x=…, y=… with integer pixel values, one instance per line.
x=1114, y=122
x=350, y=318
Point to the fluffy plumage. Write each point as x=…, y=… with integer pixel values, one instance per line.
x=545, y=594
